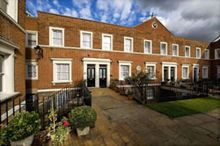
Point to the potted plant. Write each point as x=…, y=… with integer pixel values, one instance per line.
x=22, y=127
x=82, y=118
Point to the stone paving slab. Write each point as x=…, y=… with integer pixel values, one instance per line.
x=123, y=122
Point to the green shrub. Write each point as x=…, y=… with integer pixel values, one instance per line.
x=23, y=125
x=81, y=117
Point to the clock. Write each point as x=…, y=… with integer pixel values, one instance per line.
x=154, y=25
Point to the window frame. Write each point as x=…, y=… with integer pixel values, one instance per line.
x=61, y=61
x=36, y=65
x=132, y=44
x=154, y=64
x=32, y=32
x=207, y=53
x=189, y=51
x=145, y=40
x=81, y=39
x=51, y=43
x=177, y=49
x=2, y=73
x=187, y=76
x=166, y=48
x=198, y=57
x=204, y=77
x=108, y=35
x=128, y=63
x=216, y=56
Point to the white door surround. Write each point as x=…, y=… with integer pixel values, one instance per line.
x=197, y=74
x=97, y=62
x=169, y=65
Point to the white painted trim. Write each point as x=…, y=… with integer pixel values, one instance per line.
x=185, y=66
x=124, y=63
x=61, y=59
x=132, y=44
x=189, y=51
x=51, y=36
x=65, y=61
x=197, y=48
x=115, y=51
x=155, y=68
x=203, y=76
x=169, y=65
x=195, y=66
x=32, y=32
x=177, y=49
x=108, y=35
x=207, y=53
x=216, y=56
x=97, y=62
x=166, y=48
x=145, y=40
x=36, y=65
x=81, y=39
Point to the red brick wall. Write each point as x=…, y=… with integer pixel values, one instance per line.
x=72, y=39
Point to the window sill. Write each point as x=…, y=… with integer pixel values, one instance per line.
x=62, y=82
x=6, y=96
x=152, y=78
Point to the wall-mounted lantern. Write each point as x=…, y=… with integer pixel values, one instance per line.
x=38, y=52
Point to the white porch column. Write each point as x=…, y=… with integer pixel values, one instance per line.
x=108, y=75
x=97, y=75
x=8, y=79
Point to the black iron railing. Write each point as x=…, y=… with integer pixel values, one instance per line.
x=9, y=107
x=62, y=102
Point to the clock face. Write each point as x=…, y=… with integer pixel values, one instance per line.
x=154, y=25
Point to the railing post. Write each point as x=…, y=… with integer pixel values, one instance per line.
x=6, y=108
x=0, y=113
x=13, y=104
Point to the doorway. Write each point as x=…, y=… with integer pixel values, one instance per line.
x=91, y=75
x=102, y=76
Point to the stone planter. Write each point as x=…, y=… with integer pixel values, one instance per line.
x=81, y=132
x=24, y=142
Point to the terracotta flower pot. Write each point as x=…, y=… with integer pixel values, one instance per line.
x=24, y=142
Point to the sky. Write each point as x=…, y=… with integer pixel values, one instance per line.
x=195, y=19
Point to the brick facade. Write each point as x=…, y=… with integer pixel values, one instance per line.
x=71, y=49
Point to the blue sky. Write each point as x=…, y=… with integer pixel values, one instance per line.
x=197, y=19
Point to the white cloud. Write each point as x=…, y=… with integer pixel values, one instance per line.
x=85, y=13
x=53, y=11
x=70, y=12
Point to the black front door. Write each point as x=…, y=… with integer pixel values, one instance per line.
x=102, y=76
x=172, y=73
x=195, y=74
x=91, y=75
x=165, y=73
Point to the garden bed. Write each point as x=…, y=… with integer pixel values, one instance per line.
x=180, y=108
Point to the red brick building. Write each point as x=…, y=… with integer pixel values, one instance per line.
x=12, y=49
x=77, y=49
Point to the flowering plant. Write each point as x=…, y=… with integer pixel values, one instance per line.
x=58, y=131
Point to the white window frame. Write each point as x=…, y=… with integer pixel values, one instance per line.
x=166, y=48
x=31, y=63
x=169, y=65
x=108, y=35
x=177, y=46
x=205, y=54
x=51, y=36
x=124, y=63
x=61, y=61
x=198, y=57
x=150, y=41
x=187, y=76
x=32, y=32
x=216, y=56
x=155, y=68
x=132, y=43
x=189, y=51
x=81, y=39
x=203, y=75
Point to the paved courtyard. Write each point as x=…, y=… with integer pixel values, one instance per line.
x=123, y=122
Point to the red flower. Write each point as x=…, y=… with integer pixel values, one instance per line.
x=66, y=123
